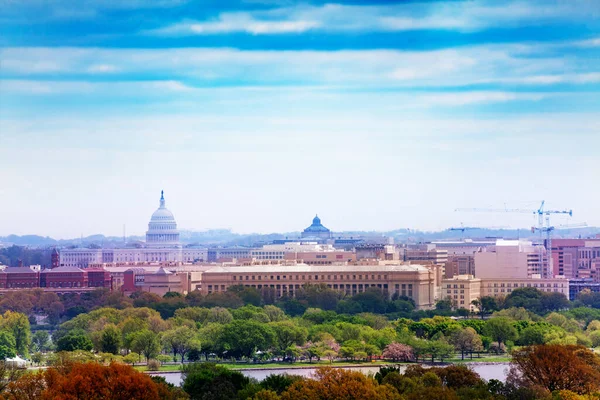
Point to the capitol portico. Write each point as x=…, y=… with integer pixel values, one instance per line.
x=162, y=245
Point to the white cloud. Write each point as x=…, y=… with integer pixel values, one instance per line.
x=345, y=68
x=102, y=68
x=464, y=16
x=477, y=97
x=238, y=22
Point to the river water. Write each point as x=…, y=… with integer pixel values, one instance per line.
x=486, y=371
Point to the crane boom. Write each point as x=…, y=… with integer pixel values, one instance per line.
x=540, y=212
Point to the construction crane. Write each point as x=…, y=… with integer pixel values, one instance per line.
x=540, y=212
x=548, y=231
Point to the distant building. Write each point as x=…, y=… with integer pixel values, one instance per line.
x=463, y=289
x=415, y=281
x=576, y=258
x=368, y=251
x=316, y=231
x=459, y=265
x=162, y=244
x=463, y=247
x=577, y=286
x=160, y=281
x=513, y=259
x=61, y=279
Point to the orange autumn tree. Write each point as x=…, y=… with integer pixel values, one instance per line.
x=556, y=367
x=90, y=381
x=339, y=384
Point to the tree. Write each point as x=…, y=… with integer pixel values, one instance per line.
x=457, y=376
x=131, y=358
x=90, y=381
x=8, y=347
x=501, y=330
x=40, y=340
x=243, y=338
x=110, y=340
x=372, y=300
x=398, y=352
x=554, y=301
x=466, y=341
x=485, y=305
x=556, y=367
x=74, y=341
x=279, y=383
x=146, y=343
x=287, y=333
x=210, y=338
x=18, y=325
x=339, y=384
x=210, y=381
x=439, y=349
x=181, y=340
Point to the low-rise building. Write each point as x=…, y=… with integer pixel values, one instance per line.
x=463, y=289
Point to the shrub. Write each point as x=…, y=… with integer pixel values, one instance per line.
x=153, y=365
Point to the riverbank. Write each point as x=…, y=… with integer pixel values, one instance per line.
x=341, y=364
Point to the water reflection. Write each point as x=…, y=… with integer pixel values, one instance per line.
x=486, y=371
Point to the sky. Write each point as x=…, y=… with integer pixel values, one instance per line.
x=256, y=115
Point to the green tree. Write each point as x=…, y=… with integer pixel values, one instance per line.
x=40, y=340
x=181, y=340
x=485, y=305
x=466, y=341
x=287, y=333
x=110, y=340
x=243, y=338
x=74, y=341
x=146, y=343
x=210, y=381
x=18, y=325
x=8, y=346
x=500, y=329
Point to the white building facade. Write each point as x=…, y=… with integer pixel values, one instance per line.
x=162, y=245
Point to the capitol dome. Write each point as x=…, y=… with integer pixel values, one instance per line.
x=162, y=228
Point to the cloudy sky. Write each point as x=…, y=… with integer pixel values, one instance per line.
x=255, y=115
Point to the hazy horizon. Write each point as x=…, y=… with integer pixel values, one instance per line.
x=256, y=116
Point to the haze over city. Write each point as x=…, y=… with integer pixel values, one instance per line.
x=255, y=116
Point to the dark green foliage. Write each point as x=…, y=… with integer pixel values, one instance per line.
x=209, y=381
x=244, y=337
x=279, y=382
x=74, y=341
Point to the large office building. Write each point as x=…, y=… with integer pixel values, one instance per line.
x=577, y=258
x=421, y=283
x=514, y=259
x=162, y=245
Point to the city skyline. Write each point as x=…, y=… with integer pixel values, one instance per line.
x=256, y=116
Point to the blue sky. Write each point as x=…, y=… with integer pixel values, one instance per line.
x=255, y=115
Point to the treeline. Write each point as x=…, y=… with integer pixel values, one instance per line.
x=59, y=308
x=11, y=256
x=569, y=373
x=267, y=332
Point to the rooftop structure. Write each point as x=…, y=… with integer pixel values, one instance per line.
x=316, y=230
x=162, y=228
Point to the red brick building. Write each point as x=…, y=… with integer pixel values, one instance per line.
x=63, y=277
x=19, y=277
x=98, y=277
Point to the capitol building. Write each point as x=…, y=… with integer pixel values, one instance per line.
x=162, y=245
